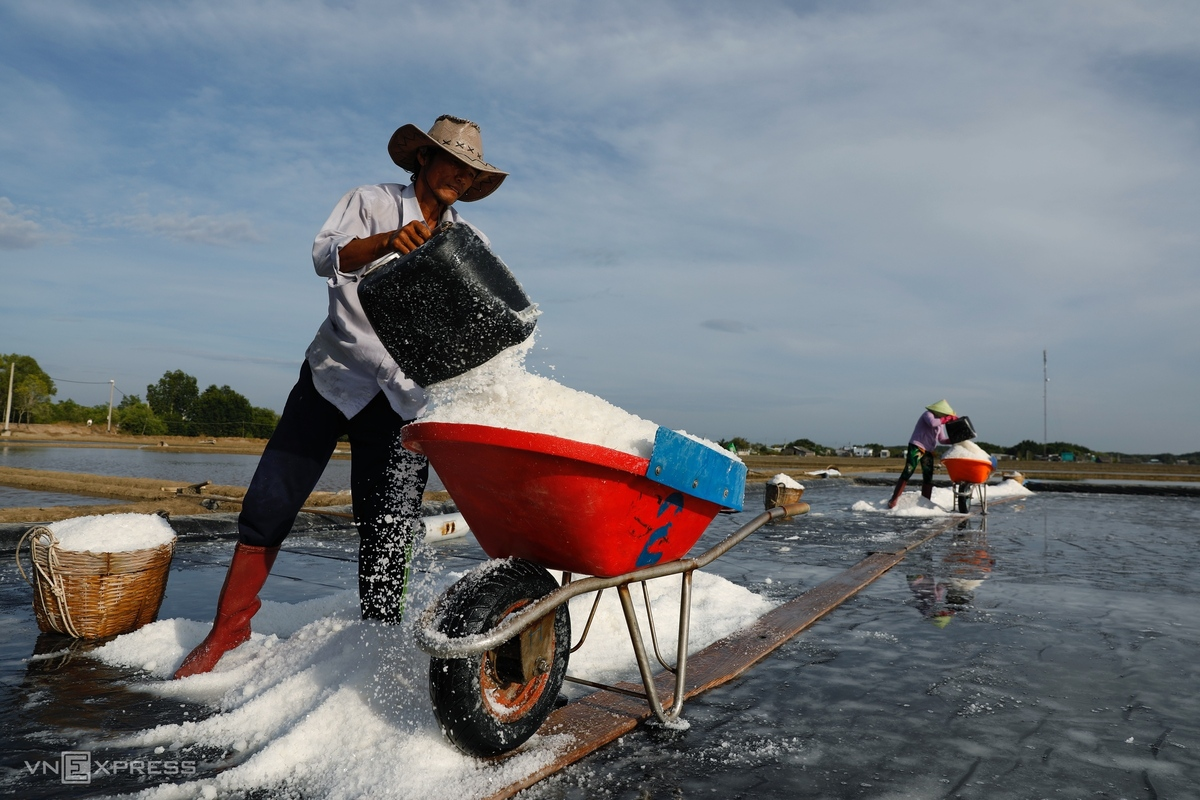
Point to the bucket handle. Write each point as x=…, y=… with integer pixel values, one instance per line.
x=445, y=225
x=48, y=576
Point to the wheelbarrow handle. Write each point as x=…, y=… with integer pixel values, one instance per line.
x=439, y=645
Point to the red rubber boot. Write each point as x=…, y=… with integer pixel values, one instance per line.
x=237, y=603
x=896, y=494
x=927, y=491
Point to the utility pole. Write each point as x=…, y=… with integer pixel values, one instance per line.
x=112, y=384
x=1045, y=386
x=12, y=368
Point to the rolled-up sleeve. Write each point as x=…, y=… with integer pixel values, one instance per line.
x=351, y=218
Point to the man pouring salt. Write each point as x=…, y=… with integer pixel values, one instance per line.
x=350, y=385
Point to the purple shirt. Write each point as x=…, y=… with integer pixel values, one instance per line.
x=928, y=432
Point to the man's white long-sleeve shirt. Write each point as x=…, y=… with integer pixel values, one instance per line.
x=349, y=364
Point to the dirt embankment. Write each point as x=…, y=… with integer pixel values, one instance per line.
x=66, y=434
x=138, y=495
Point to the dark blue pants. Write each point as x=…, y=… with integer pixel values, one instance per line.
x=386, y=484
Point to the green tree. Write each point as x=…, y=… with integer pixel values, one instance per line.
x=173, y=401
x=1026, y=449
x=263, y=422
x=137, y=418
x=222, y=412
x=32, y=387
x=810, y=445
x=69, y=411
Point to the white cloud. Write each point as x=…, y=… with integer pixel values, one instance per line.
x=17, y=231
x=222, y=229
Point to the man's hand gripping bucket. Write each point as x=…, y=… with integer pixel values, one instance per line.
x=447, y=307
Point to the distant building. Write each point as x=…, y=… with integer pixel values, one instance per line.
x=793, y=450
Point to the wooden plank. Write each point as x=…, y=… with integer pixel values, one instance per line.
x=603, y=716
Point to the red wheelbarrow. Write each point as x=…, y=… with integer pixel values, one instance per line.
x=500, y=638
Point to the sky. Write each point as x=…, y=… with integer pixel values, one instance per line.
x=770, y=219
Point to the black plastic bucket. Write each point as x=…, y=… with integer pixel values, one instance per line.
x=959, y=430
x=447, y=307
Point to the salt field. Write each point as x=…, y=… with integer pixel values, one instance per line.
x=1048, y=649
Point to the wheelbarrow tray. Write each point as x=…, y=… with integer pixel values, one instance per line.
x=967, y=470
x=563, y=504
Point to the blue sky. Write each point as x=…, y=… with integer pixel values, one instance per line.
x=763, y=219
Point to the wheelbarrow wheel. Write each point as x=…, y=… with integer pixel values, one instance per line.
x=962, y=493
x=490, y=704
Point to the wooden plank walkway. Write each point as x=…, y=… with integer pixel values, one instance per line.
x=603, y=716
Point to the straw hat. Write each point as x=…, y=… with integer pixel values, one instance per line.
x=456, y=136
x=941, y=407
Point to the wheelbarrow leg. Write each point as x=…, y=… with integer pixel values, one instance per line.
x=643, y=659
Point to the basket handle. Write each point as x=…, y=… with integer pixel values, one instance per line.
x=30, y=535
x=52, y=581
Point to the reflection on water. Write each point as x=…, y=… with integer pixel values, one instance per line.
x=953, y=566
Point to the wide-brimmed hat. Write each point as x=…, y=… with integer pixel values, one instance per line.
x=941, y=407
x=456, y=136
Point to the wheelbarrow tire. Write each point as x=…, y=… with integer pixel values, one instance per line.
x=962, y=492
x=490, y=704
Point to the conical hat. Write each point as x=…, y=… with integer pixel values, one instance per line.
x=941, y=407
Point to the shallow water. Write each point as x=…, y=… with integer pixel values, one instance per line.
x=223, y=469
x=1050, y=649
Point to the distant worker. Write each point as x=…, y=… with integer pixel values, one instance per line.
x=925, y=438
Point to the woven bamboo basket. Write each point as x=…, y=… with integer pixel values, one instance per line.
x=93, y=595
x=779, y=495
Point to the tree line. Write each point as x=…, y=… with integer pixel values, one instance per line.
x=174, y=406
x=1026, y=449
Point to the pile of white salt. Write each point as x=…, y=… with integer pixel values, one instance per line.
x=112, y=533
x=503, y=394
x=968, y=450
x=786, y=481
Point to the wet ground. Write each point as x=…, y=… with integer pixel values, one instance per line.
x=1051, y=649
